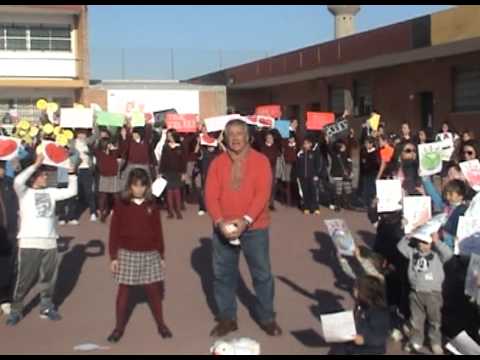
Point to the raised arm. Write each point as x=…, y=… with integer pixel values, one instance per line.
x=20, y=183
x=404, y=247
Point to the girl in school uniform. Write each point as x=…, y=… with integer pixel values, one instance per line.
x=108, y=183
x=137, y=251
x=173, y=167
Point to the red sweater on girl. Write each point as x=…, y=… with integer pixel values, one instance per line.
x=135, y=228
x=107, y=163
x=137, y=153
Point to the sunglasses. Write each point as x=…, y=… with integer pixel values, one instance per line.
x=409, y=151
x=469, y=153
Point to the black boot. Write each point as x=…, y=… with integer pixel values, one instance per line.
x=347, y=202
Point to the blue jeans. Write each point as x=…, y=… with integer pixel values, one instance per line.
x=432, y=191
x=255, y=246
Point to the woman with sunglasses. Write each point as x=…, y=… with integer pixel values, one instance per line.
x=470, y=151
x=407, y=169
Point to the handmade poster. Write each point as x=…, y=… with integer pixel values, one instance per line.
x=110, y=119
x=218, y=123
x=471, y=171
x=183, y=123
x=9, y=147
x=389, y=194
x=425, y=231
x=318, y=120
x=55, y=155
x=430, y=156
x=138, y=119
x=158, y=186
x=283, y=127
x=374, y=121
x=472, y=280
x=76, y=118
x=337, y=130
x=265, y=121
x=339, y=327
x=463, y=344
x=341, y=235
x=207, y=140
x=448, y=147
x=467, y=226
x=274, y=111
x=160, y=117
x=417, y=210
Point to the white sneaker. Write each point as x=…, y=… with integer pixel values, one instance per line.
x=201, y=213
x=93, y=218
x=410, y=347
x=331, y=207
x=6, y=308
x=73, y=222
x=62, y=222
x=396, y=335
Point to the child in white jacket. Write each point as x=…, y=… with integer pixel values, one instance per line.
x=37, y=238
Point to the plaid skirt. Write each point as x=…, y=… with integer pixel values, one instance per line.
x=139, y=268
x=109, y=184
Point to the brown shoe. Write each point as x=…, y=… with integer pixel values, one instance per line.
x=224, y=327
x=272, y=328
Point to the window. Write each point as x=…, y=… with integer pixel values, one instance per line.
x=466, y=89
x=337, y=100
x=35, y=38
x=16, y=38
x=362, y=98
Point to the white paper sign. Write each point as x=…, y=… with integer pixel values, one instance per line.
x=425, y=231
x=76, y=118
x=159, y=186
x=430, y=156
x=467, y=226
x=55, y=155
x=9, y=147
x=218, y=123
x=448, y=147
x=417, y=210
x=471, y=171
x=389, y=194
x=463, y=345
x=341, y=235
x=207, y=140
x=339, y=327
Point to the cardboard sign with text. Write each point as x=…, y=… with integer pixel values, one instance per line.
x=218, y=123
x=389, y=194
x=337, y=130
x=471, y=171
x=208, y=140
x=76, y=118
x=183, y=123
x=160, y=117
x=417, y=210
x=318, y=120
x=274, y=111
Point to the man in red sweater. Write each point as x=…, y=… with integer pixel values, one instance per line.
x=237, y=195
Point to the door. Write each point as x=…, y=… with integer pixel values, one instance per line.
x=426, y=110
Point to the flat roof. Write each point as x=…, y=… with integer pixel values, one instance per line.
x=151, y=85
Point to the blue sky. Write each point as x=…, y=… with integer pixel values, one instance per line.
x=206, y=38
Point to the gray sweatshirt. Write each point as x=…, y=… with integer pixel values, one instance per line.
x=425, y=270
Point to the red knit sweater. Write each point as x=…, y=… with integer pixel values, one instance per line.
x=251, y=199
x=135, y=228
x=107, y=163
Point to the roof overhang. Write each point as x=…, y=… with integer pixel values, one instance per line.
x=43, y=9
x=422, y=54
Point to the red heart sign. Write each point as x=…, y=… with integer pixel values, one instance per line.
x=57, y=154
x=7, y=147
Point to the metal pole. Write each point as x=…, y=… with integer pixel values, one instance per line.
x=123, y=63
x=172, y=64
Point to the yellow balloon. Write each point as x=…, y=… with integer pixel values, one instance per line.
x=68, y=134
x=42, y=104
x=24, y=125
x=52, y=107
x=48, y=129
x=34, y=131
x=22, y=133
x=57, y=130
x=62, y=140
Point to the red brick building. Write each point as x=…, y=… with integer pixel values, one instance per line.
x=425, y=71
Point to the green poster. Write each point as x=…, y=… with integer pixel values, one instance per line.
x=138, y=119
x=110, y=119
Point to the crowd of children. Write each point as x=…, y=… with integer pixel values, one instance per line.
x=118, y=166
